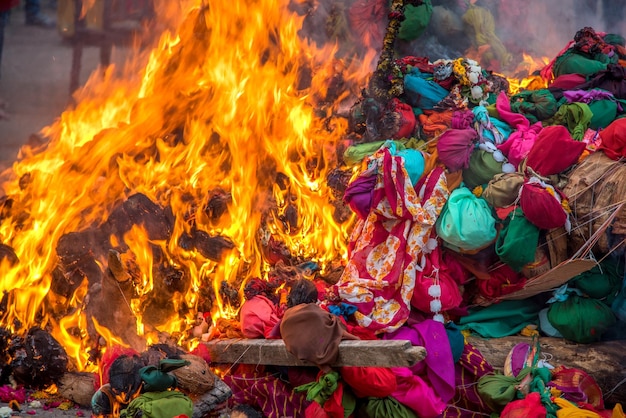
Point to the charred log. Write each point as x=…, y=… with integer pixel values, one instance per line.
x=139, y=210
x=37, y=359
x=210, y=247
x=217, y=204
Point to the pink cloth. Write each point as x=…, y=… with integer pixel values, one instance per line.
x=416, y=394
x=258, y=316
x=379, y=276
x=519, y=143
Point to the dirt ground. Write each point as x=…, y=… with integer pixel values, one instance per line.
x=34, y=80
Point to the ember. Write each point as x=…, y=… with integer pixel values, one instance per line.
x=248, y=178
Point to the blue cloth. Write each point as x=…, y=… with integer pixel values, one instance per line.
x=343, y=309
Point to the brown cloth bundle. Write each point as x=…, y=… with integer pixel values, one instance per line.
x=312, y=334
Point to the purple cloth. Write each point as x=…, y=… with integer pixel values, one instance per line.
x=358, y=194
x=587, y=96
x=438, y=366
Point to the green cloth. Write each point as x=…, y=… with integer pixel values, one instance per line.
x=518, y=240
x=466, y=221
x=497, y=390
x=536, y=105
x=614, y=39
x=384, y=408
x=482, y=168
x=581, y=319
x=604, y=112
x=500, y=319
x=354, y=154
x=576, y=117
x=322, y=389
x=166, y=404
x=157, y=379
x=572, y=62
x=602, y=281
x=416, y=19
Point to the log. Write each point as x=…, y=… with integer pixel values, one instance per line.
x=379, y=353
x=605, y=361
x=78, y=387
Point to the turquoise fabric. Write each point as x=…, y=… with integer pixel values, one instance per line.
x=413, y=163
x=421, y=91
x=466, y=221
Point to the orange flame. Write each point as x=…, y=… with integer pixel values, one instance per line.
x=223, y=102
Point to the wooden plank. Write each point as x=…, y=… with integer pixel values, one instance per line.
x=379, y=353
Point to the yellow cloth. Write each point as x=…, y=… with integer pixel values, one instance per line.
x=569, y=410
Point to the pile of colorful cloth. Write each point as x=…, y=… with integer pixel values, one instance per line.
x=459, y=186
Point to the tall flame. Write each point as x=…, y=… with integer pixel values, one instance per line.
x=234, y=100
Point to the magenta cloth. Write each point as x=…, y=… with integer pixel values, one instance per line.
x=274, y=397
x=521, y=140
x=541, y=207
x=567, y=81
x=614, y=139
x=413, y=392
x=455, y=146
x=384, y=248
x=438, y=367
x=435, y=271
x=462, y=119
x=406, y=118
x=358, y=194
x=554, y=151
x=258, y=317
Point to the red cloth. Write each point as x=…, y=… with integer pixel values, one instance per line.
x=614, y=139
x=367, y=19
x=568, y=81
x=378, y=382
x=258, y=317
x=529, y=407
x=435, y=271
x=407, y=121
x=541, y=207
x=503, y=280
x=554, y=151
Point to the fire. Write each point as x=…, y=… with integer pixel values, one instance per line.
x=525, y=76
x=233, y=100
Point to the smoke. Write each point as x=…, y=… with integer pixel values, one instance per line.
x=540, y=28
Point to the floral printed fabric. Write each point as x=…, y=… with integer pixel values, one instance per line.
x=385, y=247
